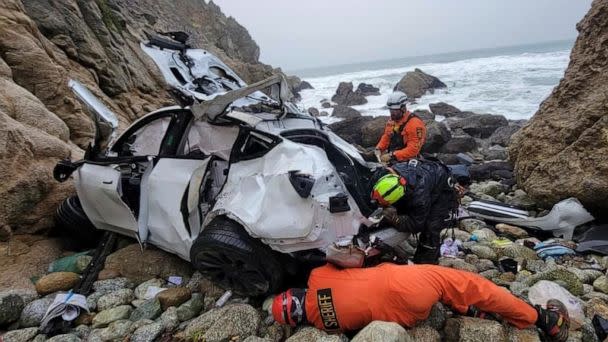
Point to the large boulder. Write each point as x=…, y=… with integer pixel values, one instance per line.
x=502, y=135
x=458, y=144
x=10, y=307
x=562, y=151
x=368, y=89
x=345, y=112
x=437, y=135
x=444, y=109
x=382, y=331
x=223, y=324
x=416, y=83
x=345, y=95
x=480, y=125
x=424, y=115
x=350, y=129
x=31, y=259
x=491, y=170
x=372, y=130
x=467, y=329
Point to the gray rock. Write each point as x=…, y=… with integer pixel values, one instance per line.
x=586, y=276
x=502, y=135
x=141, y=289
x=191, y=308
x=517, y=335
x=345, y=112
x=21, y=335
x=471, y=225
x=484, y=265
x=28, y=295
x=308, y=334
x=490, y=274
x=437, y=135
x=416, y=83
x=194, y=284
x=82, y=331
x=226, y=322
x=484, y=252
x=444, y=109
x=368, y=89
x=257, y=339
x=490, y=188
x=458, y=234
x=424, y=333
x=458, y=264
x=92, y=300
x=467, y=329
x=39, y=338
x=169, y=319
x=484, y=234
x=111, y=285
x=481, y=125
x=345, y=95
x=106, y=317
x=117, y=330
x=150, y=309
x=147, y=333
x=32, y=314
x=588, y=332
x=459, y=143
x=382, y=331
x=437, y=317
x=114, y=299
x=516, y=250
x=601, y=284
x=64, y=338
x=11, y=305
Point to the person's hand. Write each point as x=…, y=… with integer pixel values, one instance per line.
x=460, y=190
x=385, y=158
x=390, y=214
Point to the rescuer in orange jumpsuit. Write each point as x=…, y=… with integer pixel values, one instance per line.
x=404, y=134
x=348, y=299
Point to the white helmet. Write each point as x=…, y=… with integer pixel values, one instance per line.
x=396, y=100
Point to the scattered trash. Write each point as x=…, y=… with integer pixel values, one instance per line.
x=594, y=240
x=449, y=248
x=508, y=265
x=175, y=280
x=152, y=291
x=72, y=263
x=223, y=299
x=501, y=242
x=544, y=290
x=552, y=248
x=66, y=305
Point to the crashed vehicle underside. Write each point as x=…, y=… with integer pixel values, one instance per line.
x=244, y=185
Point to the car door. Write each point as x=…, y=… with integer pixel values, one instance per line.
x=110, y=188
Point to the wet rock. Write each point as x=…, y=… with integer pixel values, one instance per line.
x=444, y=109
x=103, y=318
x=484, y=252
x=64, y=338
x=368, y=89
x=10, y=307
x=467, y=329
x=345, y=96
x=480, y=125
x=313, y=111
x=111, y=285
x=458, y=144
x=141, y=289
x=325, y=104
x=307, y=334
x=424, y=334
x=437, y=135
x=21, y=335
x=382, y=331
x=169, y=319
x=416, y=83
x=147, y=333
x=58, y=281
x=601, y=284
x=191, y=308
x=134, y=264
x=224, y=323
x=512, y=231
x=149, y=309
x=345, y=112
x=114, y=299
x=173, y=297
x=32, y=314
x=519, y=251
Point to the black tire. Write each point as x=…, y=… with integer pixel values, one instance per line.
x=73, y=223
x=226, y=254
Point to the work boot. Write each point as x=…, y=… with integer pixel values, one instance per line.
x=554, y=320
x=426, y=255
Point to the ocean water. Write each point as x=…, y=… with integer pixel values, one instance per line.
x=510, y=81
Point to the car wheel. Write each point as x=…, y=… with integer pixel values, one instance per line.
x=226, y=254
x=72, y=222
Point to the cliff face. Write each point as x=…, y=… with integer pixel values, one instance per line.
x=563, y=150
x=45, y=42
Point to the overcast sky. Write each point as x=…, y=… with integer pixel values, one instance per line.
x=301, y=34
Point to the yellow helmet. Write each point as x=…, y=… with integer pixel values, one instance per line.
x=389, y=189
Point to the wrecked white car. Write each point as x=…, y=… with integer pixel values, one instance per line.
x=244, y=185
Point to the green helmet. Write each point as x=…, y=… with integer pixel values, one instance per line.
x=389, y=189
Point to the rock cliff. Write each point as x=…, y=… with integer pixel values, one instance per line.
x=44, y=42
x=563, y=150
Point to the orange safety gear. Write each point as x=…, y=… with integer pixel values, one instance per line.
x=349, y=299
x=404, y=138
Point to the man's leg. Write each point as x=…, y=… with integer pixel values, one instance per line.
x=427, y=251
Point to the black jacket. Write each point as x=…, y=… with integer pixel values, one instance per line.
x=428, y=196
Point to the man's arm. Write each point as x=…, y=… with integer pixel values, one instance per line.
x=385, y=139
x=414, y=138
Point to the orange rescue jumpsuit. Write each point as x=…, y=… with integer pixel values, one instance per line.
x=349, y=299
x=413, y=137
